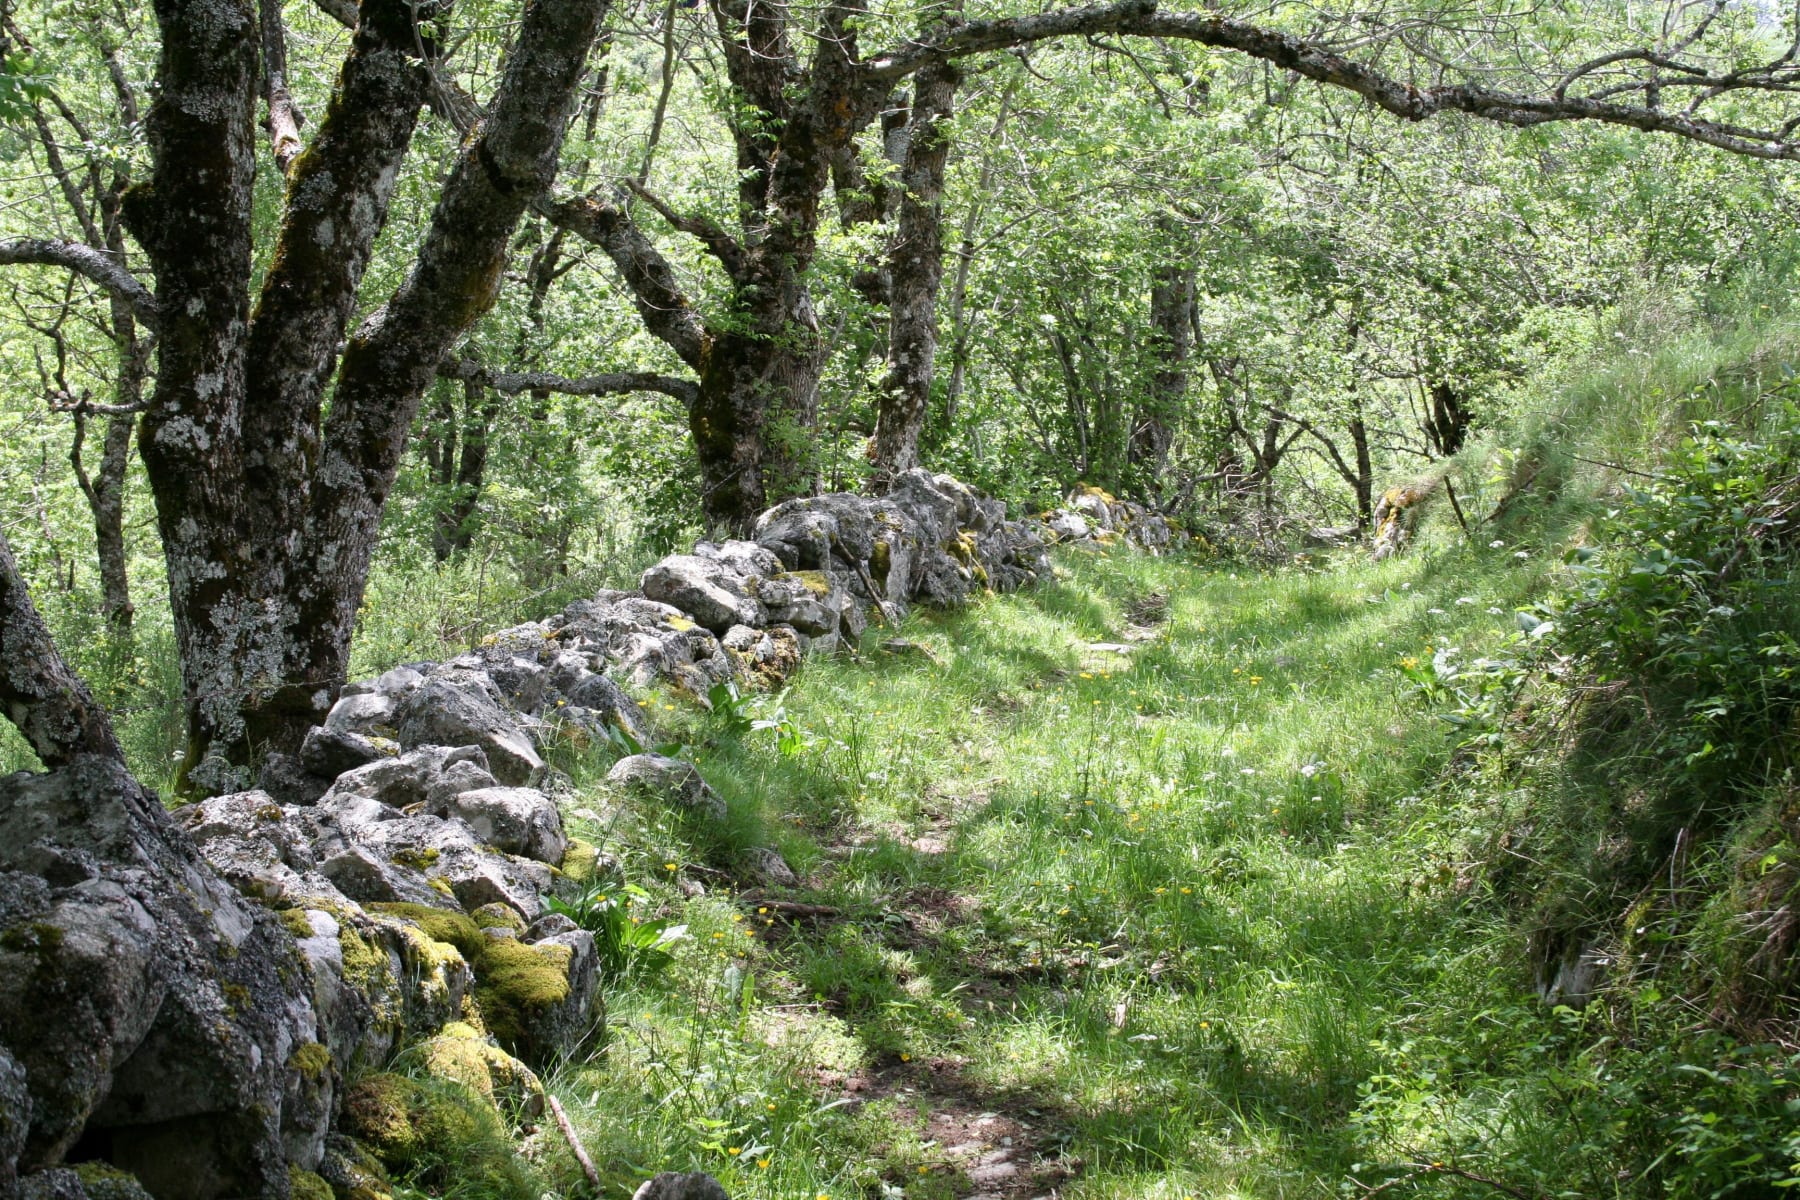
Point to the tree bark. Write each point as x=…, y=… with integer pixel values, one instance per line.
x=268, y=508
x=915, y=273
x=48, y=702
x=1152, y=431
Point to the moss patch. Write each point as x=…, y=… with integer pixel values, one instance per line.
x=311, y=1060
x=295, y=921
x=515, y=983
x=302, y=1185
x=581, y=861
x=439, y=925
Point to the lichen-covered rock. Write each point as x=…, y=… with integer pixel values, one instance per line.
x=153, y=1010
x=540, y=1000
x=361, y=714
x=328, y=752
x=766, y=865
x=283, y=777
x=1068, y=526
x=522, y=821
x=352, y=1172
x=673, y=1186
x=709, y=590
x=810, y=601
x=461, y=712
x=669, y=780
x=15, y=1119
x=57, y=1183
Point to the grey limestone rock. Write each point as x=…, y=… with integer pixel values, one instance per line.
x=460, y=712
x=672, y=1186
x=522, y=821
x=669, y=780
x=709, y=590
x=153, y=1010
x=328, y=753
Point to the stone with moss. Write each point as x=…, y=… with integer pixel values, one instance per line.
x=103, y=1181
x=462, y=1054
x=581, y=862
x=302, y=1185
x=498, y=916
x=540, y=1000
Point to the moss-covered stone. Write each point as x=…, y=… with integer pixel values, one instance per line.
x=516, y=983
x=581, y=861
x=435, y=1129
x=304, y=1185
x=680, y=624
x=103, y=1181
x=439, y=925
x=462, y=1054
x=378, y=1112
x=498, y=916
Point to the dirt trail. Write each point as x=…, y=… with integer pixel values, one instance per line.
x=1002, y=1150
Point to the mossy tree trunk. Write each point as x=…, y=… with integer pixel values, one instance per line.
x=268, y=506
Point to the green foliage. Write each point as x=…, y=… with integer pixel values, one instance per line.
x=629, y=945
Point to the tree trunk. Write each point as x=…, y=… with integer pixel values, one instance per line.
x=916, y=270
x=1447, y=419
x=1152, y=432
x=268, y=508
x=753, y=420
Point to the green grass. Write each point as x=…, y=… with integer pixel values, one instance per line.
x=1190, y=907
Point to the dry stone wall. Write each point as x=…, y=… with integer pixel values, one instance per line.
x=387, y=883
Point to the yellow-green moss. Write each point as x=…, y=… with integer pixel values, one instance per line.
x=881, y=561
x=311, y=1060
x=440, y=925
x=680, y=624
x=378, y=1112
x=103, y=1181
x=581, y=861
x=304, y=1185
x=418, y=860
x=498, y=916
x=816, y=582
x=515, y=982
x=296, y=922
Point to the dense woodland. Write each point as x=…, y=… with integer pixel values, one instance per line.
x=339, y=337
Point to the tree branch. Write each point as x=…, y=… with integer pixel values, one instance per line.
x=659, y=299
x=394, y=356
x=723, y=246
x=1312, y=61
x=48, y=702
x=86, y=261
x=612, y=384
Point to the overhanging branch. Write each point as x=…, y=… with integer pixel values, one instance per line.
x=84, y=260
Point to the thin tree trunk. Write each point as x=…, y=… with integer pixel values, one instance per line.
x=916, y=270
x=1152, y=433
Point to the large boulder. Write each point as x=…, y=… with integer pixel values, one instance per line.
x=463, y=710
x=709, y=590
x=155, y=1013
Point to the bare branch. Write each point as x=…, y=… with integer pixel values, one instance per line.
x=723, y=246
x=86, y=261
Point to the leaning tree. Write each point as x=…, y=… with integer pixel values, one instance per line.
x=272, y=431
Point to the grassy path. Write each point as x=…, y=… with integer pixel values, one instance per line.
x=1135, y=886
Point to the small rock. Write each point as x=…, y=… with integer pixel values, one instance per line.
x=360, y=714
x=447, y=712
x=669, y=780
x=328, y=753
x=766, y=864
x=520, y=821
x=672, y=1186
